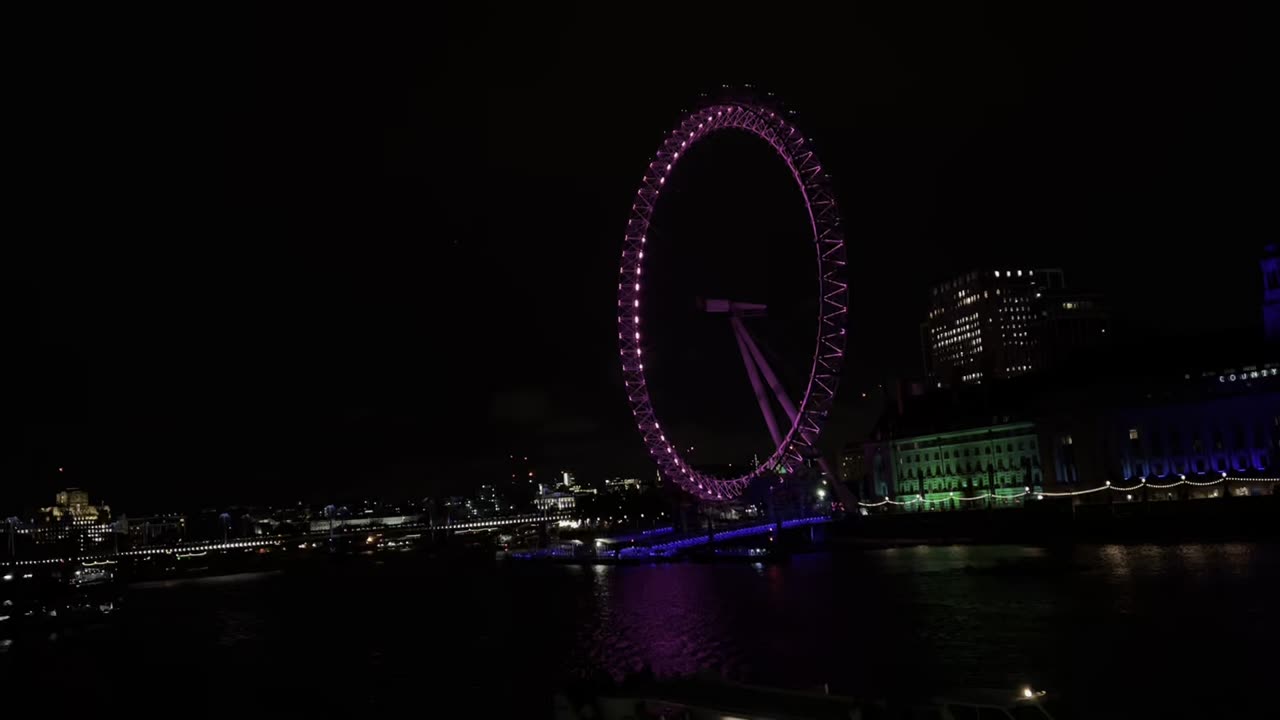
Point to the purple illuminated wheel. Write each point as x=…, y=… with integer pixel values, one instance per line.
x=806, y=421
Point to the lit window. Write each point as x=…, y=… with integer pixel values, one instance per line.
x=1133, y=433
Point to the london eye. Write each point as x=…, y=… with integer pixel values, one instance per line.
x=795, y=435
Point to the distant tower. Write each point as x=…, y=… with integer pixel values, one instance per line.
x=1271, y=292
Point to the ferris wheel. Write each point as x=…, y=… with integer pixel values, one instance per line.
x=795, y=439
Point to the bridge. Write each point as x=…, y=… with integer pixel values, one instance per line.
x=665, y=542
x=186, y=549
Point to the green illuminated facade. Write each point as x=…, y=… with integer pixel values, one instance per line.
x=944, y=468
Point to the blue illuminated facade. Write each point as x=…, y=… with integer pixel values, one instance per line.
x=1234, y=429
x=1224, y=423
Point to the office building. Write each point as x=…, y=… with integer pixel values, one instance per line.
x=555, y=501
x=153, y=530
x=620, y=485
x=999, y=324
x=853, y=465
x=488, y=501
x=1066, y=326
x=523, y=484
x=71, y=524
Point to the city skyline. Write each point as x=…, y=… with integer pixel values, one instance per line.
x=586, y=360
x=323, y=294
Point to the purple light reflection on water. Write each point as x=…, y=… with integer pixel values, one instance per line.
x=669, y=618
x=869, y=621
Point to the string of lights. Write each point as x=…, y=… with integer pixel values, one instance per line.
x=1077, y=492
x=954, y=496
x=1108, y=486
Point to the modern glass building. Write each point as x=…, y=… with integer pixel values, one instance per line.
x=998, y=324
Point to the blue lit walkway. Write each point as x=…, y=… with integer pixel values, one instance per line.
x=659, y=543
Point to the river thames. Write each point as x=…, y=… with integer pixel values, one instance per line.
x=1119, y=630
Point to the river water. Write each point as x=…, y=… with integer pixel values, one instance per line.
x=1123, y=631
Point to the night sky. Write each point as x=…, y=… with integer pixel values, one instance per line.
x=310, y=255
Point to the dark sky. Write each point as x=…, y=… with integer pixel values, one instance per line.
x=315, y=253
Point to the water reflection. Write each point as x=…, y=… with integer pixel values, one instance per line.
x=1116, y=558
x=1091, y=622
x=667, y=618
x=1196, y=559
